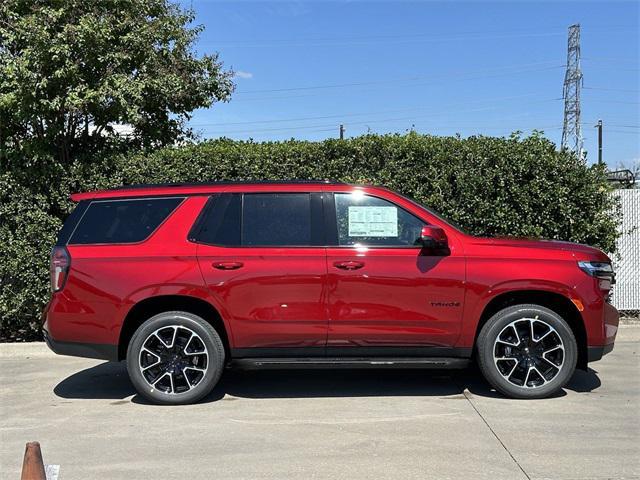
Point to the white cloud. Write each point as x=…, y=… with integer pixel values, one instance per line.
x=241, y=74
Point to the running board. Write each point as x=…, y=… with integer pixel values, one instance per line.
x=324, y=362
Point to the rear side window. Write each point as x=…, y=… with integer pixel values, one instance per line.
x=122, y=221
x=263, y=219
x=276, y=219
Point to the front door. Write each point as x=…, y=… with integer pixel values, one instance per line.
x=262, y=259
x=384, y=292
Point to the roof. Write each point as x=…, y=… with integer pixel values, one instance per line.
x=163, y=189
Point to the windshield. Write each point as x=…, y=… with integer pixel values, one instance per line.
x=435, y=214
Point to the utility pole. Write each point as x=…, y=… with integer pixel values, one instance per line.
x=341, y=132
x=599, y=127
x=571, y=130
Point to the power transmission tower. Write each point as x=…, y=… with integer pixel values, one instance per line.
x=571, y=131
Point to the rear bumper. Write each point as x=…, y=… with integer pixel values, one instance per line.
x=101, y=351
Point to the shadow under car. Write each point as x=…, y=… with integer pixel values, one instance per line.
x=110, y=381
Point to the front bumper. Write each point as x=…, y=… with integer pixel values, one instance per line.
x=610, y=320
x=596, y=353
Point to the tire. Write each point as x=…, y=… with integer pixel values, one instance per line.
x=175, y=358
x=518, y=367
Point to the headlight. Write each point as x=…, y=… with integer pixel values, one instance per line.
x=597, y=269
x=603, y=272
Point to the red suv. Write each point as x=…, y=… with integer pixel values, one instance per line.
x=181, y=280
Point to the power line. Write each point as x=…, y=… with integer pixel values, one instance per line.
x=369, y=88
x=411, y=118
x=611, y=60
x=617, y=69
x=615, y=125
x=394, y=83
x=343, y=115
x=622, y=131
x=402, y=38
x=612, y=89
x=389, y=39
x=495, y=71
x=618, y=102
x=332, y=128
x=413, y=78
x=365, y=123
x=410, y=79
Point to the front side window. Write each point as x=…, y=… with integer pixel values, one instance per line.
x=122, y=221
x=366, y=220
x=260, y=219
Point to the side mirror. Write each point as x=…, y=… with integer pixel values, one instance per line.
x=433, y=237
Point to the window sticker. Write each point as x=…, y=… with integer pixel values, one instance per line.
x=373, y=221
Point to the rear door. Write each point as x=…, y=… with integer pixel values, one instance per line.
x=385, y=294
x=262, y=256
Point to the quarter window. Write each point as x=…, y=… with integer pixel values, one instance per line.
x=366, y=220
x=221, y=225
x=122, y=221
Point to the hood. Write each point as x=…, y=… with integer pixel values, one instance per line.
x=577, y=250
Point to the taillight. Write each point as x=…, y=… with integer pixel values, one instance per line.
x=60, y=263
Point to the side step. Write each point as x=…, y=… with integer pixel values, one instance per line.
x=324, y=362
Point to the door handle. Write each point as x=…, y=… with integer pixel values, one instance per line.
x=227, y=265
x=348, y=265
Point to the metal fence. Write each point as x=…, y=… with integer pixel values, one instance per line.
x=626, y=293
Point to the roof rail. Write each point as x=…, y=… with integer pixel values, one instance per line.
x=221, y=183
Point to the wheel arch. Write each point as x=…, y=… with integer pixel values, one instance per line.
x=556, y=302
x=148, y=307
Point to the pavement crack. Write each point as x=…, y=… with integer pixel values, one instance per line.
x=466, y=395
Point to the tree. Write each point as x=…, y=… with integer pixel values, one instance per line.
x=72, y=70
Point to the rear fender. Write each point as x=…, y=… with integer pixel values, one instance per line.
x=196, y=291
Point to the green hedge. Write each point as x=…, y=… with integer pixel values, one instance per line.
x=490, y=186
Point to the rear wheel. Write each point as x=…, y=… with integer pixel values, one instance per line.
x=527, y=351
x=175, y=358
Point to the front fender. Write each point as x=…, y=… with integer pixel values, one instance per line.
x=478, y=297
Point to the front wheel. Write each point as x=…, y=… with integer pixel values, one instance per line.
x=527, y=351
x=175, y=358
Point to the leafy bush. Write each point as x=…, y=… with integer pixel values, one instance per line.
x=491, y=186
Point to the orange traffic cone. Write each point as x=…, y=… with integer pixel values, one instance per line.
x=32, y=466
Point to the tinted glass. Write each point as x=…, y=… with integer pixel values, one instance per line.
x=221, y=225
x=435, y=214
x=276, y=219
x=122, y=221
x=71, y=222
x=365, y=220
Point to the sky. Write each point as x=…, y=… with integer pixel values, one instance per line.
x=442, y=68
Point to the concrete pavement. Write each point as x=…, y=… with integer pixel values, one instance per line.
x=355, y=424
